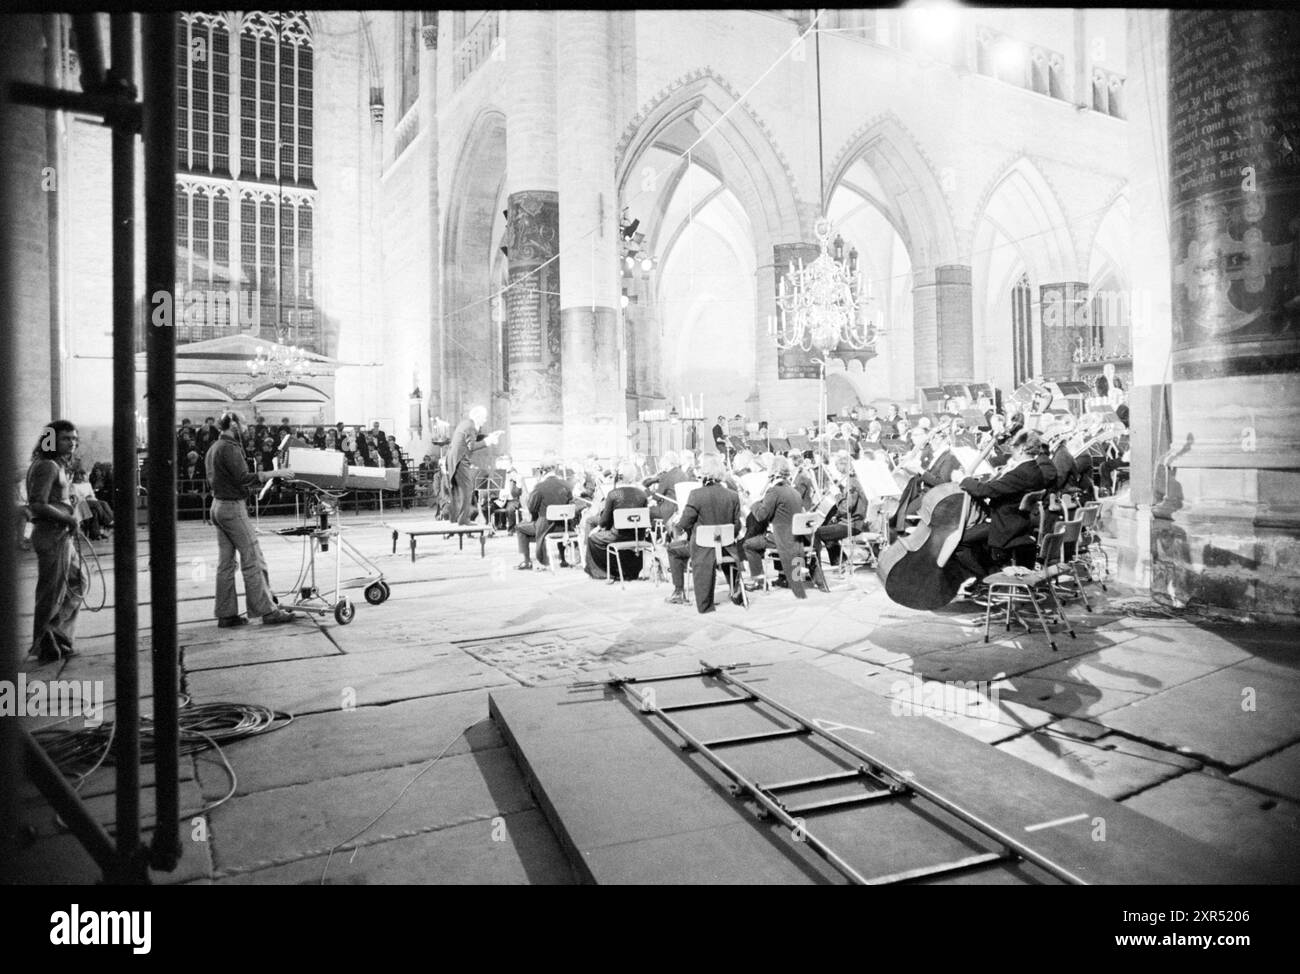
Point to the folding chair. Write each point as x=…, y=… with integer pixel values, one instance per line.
x=875, y=529
x=1023, y=586
x=636, y=519
x=1089, y=546
x=802, y=527
x=718, y=537
x=1067, y=582
x=562, y=513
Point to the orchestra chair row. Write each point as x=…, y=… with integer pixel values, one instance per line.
x=802, y=527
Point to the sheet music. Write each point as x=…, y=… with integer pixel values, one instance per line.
x=876, y=479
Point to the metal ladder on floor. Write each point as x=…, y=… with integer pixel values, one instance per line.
x=779, y=799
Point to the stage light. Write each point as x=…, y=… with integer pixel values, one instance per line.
x=647, y=264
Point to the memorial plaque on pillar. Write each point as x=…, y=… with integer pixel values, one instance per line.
x=533, y=308
x=1066, y=320
x=1234, y=159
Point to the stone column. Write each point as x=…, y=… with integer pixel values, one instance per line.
x=954, y=323
x=1065, y=317
x=30, y=177
x=589, y=288
x=533, y=236
x=1225, y=532
x=925, y=328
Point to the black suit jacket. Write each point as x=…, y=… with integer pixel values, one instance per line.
x=776, y=511
x=552, y=490
x=621, y=497
x=1004, y=493
x=941, y=471
x=711, y=504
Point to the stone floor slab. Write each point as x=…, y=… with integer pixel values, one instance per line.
x=514, y=849
x=1263, y=832
x=1278, y=773
x=344, y=742
x=284, y=824
x=1233, y=715
x=1126, y=667
x=1110, y=765
x=329, y=683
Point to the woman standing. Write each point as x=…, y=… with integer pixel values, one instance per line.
x=59, y=585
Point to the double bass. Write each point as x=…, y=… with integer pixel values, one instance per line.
x=917, y=570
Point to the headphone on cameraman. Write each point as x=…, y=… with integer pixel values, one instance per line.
x=227, y=418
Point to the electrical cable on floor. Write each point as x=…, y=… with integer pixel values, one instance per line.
x=202, y=728
x=365, y=828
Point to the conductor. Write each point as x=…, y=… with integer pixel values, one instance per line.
x=465, y=442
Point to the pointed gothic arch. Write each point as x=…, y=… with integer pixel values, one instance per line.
x=465, y=327
x=915, y=202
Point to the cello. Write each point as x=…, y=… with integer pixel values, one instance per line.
x=917, y=570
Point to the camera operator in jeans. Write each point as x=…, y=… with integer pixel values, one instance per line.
x=229, y=479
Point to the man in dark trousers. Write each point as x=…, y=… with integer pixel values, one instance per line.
x=1008, y=534
x=468, y=439
x=550, y=490
x=711, y=504
x=772, y=523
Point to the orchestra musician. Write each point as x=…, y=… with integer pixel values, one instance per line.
x=720, y=435
x=626, y=493
x=849, y=514
x=669, y=476
x=1008, y=535
x=550, y=490
x=711, y=504
x=771, y=527
x=803, y=484
x=465, y=442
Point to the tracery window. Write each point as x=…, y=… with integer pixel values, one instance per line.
x=245, y=195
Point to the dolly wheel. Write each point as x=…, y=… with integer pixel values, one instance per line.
x=375, y=593
x=344, y=611
x=387, y=589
